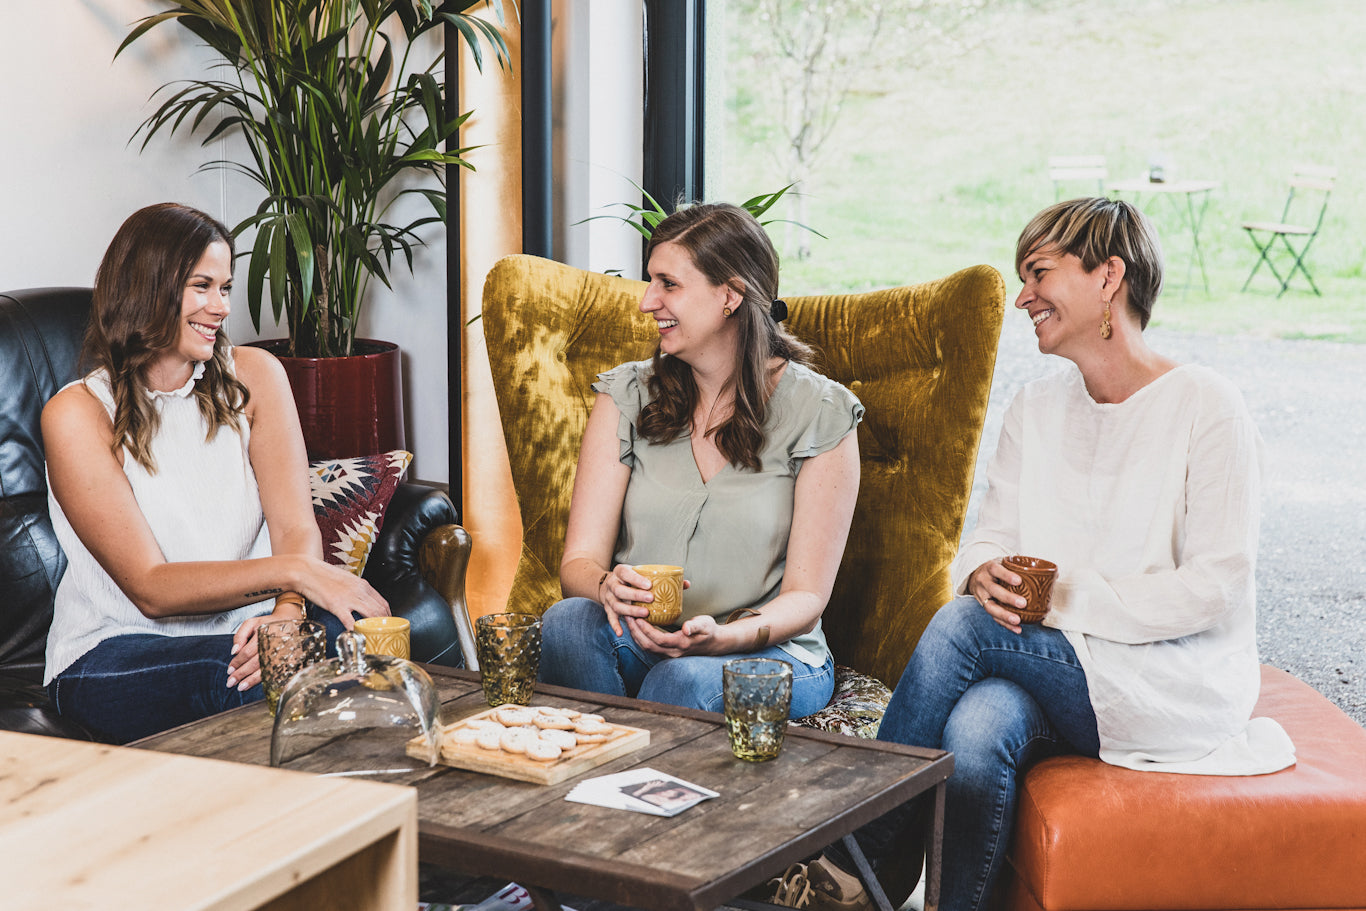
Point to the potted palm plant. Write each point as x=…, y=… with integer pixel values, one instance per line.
x=343, y=115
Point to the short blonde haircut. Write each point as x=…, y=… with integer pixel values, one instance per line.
x=1095, y=229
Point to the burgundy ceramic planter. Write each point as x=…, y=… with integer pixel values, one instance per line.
x=348, y=406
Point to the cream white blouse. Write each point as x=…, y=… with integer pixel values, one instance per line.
x=1150, y=507
x=201, y=504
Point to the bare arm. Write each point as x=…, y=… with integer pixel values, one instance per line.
x=595, y=518
x=281, y=466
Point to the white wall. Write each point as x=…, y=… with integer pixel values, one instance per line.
x=69, y=175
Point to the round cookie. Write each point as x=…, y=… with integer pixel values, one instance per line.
x=516, y=741
x=592, y=733
x=565, y=740
x=541, y=751
x=553, y=722
x=515, y=717
x=489, y=739
x=555, y=710
x=592, y=727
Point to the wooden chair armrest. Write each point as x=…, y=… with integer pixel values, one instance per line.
x=443, y=560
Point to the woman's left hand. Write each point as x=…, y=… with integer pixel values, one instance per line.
x=697, y=636
x=244, y=670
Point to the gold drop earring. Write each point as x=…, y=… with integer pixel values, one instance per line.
x=1105, y=322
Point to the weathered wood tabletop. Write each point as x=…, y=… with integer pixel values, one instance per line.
x=768, y=815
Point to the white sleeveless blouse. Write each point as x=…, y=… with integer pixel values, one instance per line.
x=201, y=504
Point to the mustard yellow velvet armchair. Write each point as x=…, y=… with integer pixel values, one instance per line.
x=920, y=358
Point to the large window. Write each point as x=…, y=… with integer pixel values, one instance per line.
x=919, y=132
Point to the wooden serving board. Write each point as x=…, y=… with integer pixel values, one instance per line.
x=620, y=741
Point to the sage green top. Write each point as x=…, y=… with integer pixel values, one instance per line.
x=730, y=533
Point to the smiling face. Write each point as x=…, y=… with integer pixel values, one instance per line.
x=203, y=308
x=689, y=309
x=1063, y=300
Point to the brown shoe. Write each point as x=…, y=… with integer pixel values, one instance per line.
x=834, y=890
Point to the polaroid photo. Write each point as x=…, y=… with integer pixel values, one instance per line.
x=641, y=790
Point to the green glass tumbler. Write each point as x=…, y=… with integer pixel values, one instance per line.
x=758, y=696
x=509, y=649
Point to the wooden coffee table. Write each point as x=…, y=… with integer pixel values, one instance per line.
x=768, y=815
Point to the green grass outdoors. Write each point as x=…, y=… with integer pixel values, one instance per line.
x=938, y=168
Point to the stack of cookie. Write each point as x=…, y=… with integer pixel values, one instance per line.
x=543, y=733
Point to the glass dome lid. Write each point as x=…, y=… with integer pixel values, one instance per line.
x=357, y=714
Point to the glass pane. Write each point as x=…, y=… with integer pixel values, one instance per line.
x=920, y=131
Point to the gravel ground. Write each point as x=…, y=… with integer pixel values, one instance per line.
x=1309, y=401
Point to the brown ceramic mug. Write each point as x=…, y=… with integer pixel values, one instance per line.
x=1036, y=585
x=666, y=584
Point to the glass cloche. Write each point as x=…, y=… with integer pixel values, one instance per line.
x=357, y=714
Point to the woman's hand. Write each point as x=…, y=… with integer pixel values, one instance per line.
x=697, y=636
x=244, y=670
x=341, y=593
x=988, y=585
x=625, y=594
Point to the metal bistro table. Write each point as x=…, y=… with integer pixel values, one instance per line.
x=1196, y=194
x=768, y=815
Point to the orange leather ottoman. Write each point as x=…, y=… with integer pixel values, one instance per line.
x=1094, y=837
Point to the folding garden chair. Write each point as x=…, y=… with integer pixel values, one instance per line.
x=1064, y=169
x=1311, y=185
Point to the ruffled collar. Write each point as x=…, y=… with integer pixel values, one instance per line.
x=183, y=391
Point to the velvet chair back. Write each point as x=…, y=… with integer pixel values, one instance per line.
x=920, y=358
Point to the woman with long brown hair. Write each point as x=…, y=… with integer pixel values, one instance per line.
x=725, y=454
x=179, y=492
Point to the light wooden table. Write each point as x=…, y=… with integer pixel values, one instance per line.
x=86, y=826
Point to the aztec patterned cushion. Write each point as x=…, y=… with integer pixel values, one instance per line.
x=856, y=707
x=349, y=499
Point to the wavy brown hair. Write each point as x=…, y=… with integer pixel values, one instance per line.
x=135, y=316
x=729, y=247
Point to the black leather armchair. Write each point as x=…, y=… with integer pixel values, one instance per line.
x=418, y=563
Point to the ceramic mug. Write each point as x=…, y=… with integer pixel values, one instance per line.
x=666, y=584
x=1036, y=585
x=386, y=636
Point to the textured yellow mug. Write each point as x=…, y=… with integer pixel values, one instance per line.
x=666, y=584
x=385, y=636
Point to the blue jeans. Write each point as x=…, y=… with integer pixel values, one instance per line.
x=140, y=684
x=999, y=702
x=579, y=649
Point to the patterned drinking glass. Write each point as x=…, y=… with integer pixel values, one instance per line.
x=758, y=695
x=509, y=649
x=286, y=647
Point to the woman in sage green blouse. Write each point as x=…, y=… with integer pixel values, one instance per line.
x=725, y=454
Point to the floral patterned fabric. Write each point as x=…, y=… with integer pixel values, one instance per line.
x=855, y=709
x=349, y=499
